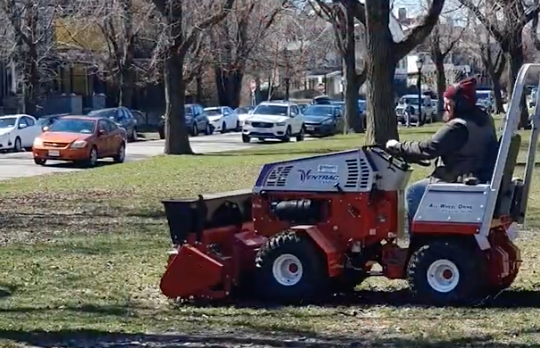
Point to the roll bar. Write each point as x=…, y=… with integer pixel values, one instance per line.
x=510, y=128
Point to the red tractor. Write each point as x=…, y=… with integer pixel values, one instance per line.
x=315, y=225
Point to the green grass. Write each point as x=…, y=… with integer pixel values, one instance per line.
x=82, y=254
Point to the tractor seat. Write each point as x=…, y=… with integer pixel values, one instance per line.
x=509, y=197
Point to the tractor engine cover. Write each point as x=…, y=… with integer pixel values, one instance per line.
x=302, y=210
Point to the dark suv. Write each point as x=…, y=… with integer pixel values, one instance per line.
x=196, y=121
x=122, y=116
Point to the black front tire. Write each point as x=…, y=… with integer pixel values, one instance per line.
x=300, y=136
x=161, y=134
x=311, y=284
x=194, y=130
x=246, y=139
x=435, y=261
x=287, y=137
x=208, y=130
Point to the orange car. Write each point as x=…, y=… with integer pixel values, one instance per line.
x=80, y=139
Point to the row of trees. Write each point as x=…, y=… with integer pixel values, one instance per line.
x=178, y=41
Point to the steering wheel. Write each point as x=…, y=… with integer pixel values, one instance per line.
x=423, y=163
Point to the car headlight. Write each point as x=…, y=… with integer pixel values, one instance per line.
x=247, y=123
x=78, y=144
x=38, y=142
x=281, y=124
x=328, y=121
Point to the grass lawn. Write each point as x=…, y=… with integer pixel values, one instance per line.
x=83, y=253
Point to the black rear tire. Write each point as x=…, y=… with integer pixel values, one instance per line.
x=40, y=161
x=311, y=279
x=464, y=287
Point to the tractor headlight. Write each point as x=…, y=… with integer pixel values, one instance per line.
x=78, y=144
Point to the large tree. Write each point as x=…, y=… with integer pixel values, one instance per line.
x=505, y=21
x=382, y=56
x=234, y=40
x=183, y=27
x=442, y=41
x=341, y=17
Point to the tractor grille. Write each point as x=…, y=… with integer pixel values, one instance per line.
x=357, y=173
x=55, y=145
x=262, y=125
x=278, y=177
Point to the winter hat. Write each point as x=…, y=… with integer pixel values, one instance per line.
x=467, y=91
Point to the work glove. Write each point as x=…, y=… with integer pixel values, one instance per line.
x=392, y=144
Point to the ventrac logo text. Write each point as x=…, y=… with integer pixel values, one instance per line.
x=307, y=176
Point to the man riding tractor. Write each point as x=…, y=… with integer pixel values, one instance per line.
x=466, y=146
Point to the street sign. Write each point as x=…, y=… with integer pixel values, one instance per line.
x=252, y=85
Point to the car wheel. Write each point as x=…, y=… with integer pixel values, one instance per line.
x=209, y=130
x=92, y=157
x=120, y=154
x=224, y=127
x=238, y=126
x=287, y=137
x=161, y=134
x=194, y=130
x=40, y=161
x=134, y=136
x=17, y=147
x=300, y=136
x=246, y=139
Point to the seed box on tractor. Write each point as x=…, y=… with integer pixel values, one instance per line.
x=314, y=225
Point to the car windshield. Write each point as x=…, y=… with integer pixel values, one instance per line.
x=242, y=111
x=273, y=110
x=319, y=111
x=482, y=95
x=8, y=122
x=73, y=126
x=409, y=100
x=213, y=112
x=106, y=113
x=188, y=111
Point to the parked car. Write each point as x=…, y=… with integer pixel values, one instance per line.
x=243, y=113
x=408, y=106
x=196, y=121
x=484, y=97
x=274, y=120
x=18, y=132
x=323, y=119
x=322, y=99
x=81, y=139
x=223, y=118
x=303, y=107
x=122, y=116
x=48, y=120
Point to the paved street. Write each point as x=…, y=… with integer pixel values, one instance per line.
x=14, y=165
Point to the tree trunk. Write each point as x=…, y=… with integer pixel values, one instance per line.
x=499, y=106
x=441, y=85
x=381, y=65
x=351, y=96
x=352, y=117
x=514, y=52
x=31, y=80
x=229, y=86
x=126, y=85
x=176, y=133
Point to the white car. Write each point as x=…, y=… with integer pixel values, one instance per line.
x=274, y=120
x=222, y=118
x=18, y=132
x=244, y=112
